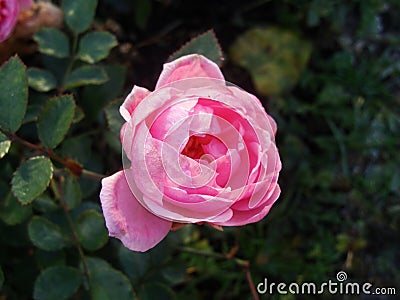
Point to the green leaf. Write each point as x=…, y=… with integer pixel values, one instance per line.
x=32, y=113
x=5, y=144
x=274, y=57
x=13, y=95
x=1, y=278
x=72, y=192
x=86, y=75
x=109, y=284
x=79, y=115
x=55, y=119
x=114, y=118
x=156, y=291
x=12, y=212
x=45, y=204
x=52, y=42
x=89, y=186
x=134, y=264
x=95, y=98
x=31, y=179
x=95, y=46
x=57, y=283
x=93, y=263
x=205, y=44
x=79, y=15
x=46, y=235
x=175, y=273
x=91, y=230
x=41, y=80
x=77, y=148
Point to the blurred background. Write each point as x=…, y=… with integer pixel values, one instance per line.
x=329, y=73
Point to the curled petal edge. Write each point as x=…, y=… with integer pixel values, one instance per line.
x=189, y=66
x=126, y=219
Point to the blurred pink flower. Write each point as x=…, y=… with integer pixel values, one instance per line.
x=9, y=12
x=198, y=150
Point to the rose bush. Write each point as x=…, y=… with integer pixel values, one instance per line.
x=9, y=12
x=197, y=150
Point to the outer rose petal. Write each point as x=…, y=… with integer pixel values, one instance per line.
x=8, y=18
x=126, y=219
x=189, y=66
x=134, y=98
x=241, y=218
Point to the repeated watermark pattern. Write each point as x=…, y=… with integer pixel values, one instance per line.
x=340, y=286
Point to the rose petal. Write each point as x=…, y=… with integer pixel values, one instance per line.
x=9, y=19
x=132, y=100
x=189, y=66
x=126, y=219
x=240, y=218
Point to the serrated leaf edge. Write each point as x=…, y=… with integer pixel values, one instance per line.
x=47, y=185
x=44, y=106
x=26, y=78
x=40, y=69
x=68, y=86
x=55, y=29
x=115, y=101
x=90, y=61
x=221, y=55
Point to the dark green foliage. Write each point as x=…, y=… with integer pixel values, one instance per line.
x=55, y=119
x=95, y=46
x=5, y=144
x=57, y=283
x=79, y=15
x=205, y=44
x=14, y=94
x=85, y=75
x=53, y=42
x=31, y=178
x=41, y=80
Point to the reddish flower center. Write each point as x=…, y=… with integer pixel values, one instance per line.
x=194, y=146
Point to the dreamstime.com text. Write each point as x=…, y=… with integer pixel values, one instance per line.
x=341, y=286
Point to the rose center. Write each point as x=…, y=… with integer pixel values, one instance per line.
x=194, y=147
x=204, y=147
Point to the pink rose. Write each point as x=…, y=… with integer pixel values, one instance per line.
x=197, y=150
x=9, y=12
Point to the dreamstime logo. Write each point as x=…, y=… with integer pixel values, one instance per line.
x=332, y=287
x=341, y=276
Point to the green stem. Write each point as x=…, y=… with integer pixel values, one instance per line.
x=75, y=238
x=73, y=166
x=70, y=63
x=244, y=264
x=92, y=175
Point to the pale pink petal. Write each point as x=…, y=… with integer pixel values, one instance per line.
x=273, y=124
x=240, y=218
x=189, y=66
x=9, y=17
x=25, y=4
x=132, y=101
x=126, y=219
x=173, y=121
